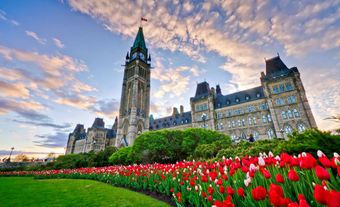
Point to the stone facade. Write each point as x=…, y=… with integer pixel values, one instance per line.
x=273, y=109
x=135, y=98
x=96, y=138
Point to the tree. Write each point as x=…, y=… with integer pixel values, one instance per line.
x=21, y=158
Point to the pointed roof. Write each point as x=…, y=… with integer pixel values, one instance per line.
x=275, y=65
x=139, y=40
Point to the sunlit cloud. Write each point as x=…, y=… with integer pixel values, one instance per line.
x=36, y=37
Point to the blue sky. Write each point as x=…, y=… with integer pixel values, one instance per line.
x=60, y=61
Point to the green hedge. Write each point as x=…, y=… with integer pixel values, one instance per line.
x=169, y=146
x=310, y=141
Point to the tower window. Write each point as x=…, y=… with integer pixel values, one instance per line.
x=275, y=89
x=270, y=133
x=290, y=114
x=247, y=97
x=264, y=119
x=237, y=100
x=288, y=129
x=258, y=95
x=296, y=113
x=301, y=127
x=283, y=115
x=282, y=88
x=289, y=86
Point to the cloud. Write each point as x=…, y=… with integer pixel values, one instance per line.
x=58, y=139
x=174, y=81
x=58, y=43
x=15, y=152
x=3, y=16
x=14, y=90
x=36, y=37
x=108, y=108
x=44, y=124
x=24, y=108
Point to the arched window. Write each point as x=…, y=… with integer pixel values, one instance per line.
x=288, y=129
x=250, y=121
x=301, y=127
x=296, y=113
x=254, y=120
x=243, y=135
x=233, y=137
x=239, y=122
x=290, y=114
x=256, y=135
x=229, y=124
x=269, y=118
x=233, y=123
x=264, y=119
x=270, y=133
x=283, y=115
x=243, y=122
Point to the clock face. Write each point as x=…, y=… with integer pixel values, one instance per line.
x=141, y=55
x=134, y=55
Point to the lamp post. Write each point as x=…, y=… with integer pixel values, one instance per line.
x=10, y=154
x=204, y=117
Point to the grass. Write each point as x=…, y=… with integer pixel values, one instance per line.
x=16, y=191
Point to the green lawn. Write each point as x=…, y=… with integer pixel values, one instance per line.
x=16, y=191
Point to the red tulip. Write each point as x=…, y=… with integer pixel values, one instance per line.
x=279, y=178
x=275, y=194
x=230, y=190
x=333, y=199
x=210, y=190
x=293, y=176
x=171, y=190
x=179, y=197
x=266, y=173
x=240, y=192
x=320, y=194
x=221, y=189
x=259, y=193
x=210, y=198
x=322, y=173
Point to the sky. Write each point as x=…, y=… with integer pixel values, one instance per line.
x=61, y=61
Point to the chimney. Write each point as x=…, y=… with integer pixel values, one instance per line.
x=174, y=111
x=181, y=110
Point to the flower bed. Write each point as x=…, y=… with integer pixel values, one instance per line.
x=249, y=181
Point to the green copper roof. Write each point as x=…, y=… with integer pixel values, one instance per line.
x=139, y=41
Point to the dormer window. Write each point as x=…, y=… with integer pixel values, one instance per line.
x=258, y=95
x=247, y=97
x=237, y=100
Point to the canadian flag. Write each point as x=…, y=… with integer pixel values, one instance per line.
x=143, y=19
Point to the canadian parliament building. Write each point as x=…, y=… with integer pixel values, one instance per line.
x=271, y=110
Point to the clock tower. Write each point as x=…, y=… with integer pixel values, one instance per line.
x=135, y=98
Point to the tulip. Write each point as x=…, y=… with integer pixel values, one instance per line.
x=293, y=176
x=279, y=178
x=240, y=192
x=320, y=194
x=322, y=173
x=259, y=193
x=230, y=190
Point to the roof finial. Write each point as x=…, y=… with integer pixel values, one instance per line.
x=278, y=54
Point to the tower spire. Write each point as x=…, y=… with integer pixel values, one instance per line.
x=139, y=40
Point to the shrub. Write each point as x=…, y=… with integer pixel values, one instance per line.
x=169, y=146
x=121, y=156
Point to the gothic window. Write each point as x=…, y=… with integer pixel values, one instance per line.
x=254, y=120
x=220, y=126
x=283, y=115
x=219, y=115
x=290, y=114
x=301, y=127
x=243, y=122
x=270, y=133
x=280, y=102
x=282, y=88
x=264, y=119
x=250, y=120
x=291, y=99
x=288, y=129
x=229, y=124
x=296, y=113
x=243, y=135
x=269, y=118
x=256, y=135
x=233, y=123
x=289, y=86
x=239, y=122
x=233, y=137
x=275, y=89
